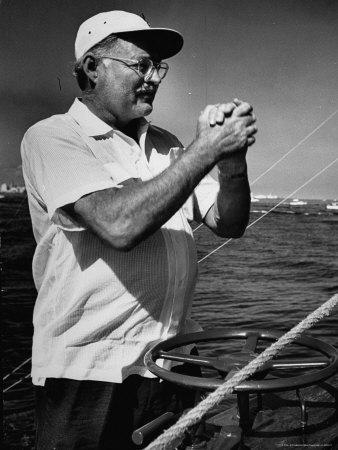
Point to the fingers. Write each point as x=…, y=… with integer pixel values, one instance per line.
x=219, y=112
x=251, y=130
x=243, y=108
x=204, y=115
x=227, y=108
x=215, y=115
x=249, y=119
x=251, y=140
x=233, y=112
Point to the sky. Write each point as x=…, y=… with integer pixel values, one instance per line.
x=279, y=55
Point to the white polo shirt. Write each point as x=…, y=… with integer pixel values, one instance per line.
x=98, y=309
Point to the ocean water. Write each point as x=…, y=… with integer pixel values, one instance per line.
x=283, y=268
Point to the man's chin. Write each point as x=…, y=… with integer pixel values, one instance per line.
x=145, y=107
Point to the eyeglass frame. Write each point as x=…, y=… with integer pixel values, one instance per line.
x=134, y=62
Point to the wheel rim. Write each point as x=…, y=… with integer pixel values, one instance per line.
x=252, y=337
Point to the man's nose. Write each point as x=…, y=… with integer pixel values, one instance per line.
x=154, y=77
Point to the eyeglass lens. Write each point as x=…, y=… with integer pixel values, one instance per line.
x=146, y=67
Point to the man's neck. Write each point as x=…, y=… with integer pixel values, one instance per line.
x=97, y=109
x=130, y=128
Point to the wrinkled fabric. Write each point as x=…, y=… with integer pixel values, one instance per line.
x=98, y=309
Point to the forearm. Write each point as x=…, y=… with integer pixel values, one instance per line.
x=229, y=215
x=124, y=217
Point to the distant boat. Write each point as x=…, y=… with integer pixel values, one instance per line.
x=254, y=199
x=333, y=207
x=269, y=196
x=296, y=202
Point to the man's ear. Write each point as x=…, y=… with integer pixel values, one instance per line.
x=90, y=67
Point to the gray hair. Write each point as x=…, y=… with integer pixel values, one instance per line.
x=98, y=51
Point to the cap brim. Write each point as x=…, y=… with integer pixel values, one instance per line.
x=161, y=41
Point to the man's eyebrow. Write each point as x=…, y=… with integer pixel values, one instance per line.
x=138, y=55
x=154, y=58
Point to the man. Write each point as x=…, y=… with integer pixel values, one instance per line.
x=115, y=266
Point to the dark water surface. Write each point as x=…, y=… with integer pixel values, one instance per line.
x=284, y=267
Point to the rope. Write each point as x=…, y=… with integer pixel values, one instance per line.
x=28, y=359
x=274, y=207
x=17, y=368
x=296, y=146
x=286, y=154
x=200, y=225
x=167, y=439
x=17, y=382
x=228, y=240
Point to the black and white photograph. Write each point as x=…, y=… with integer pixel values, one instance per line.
x=168, y=224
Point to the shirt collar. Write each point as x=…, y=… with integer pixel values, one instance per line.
x=93, y=125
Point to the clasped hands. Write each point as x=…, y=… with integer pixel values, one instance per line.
x=228, y=127
x=219, y=112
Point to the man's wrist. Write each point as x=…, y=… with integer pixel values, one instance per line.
x=232, y=169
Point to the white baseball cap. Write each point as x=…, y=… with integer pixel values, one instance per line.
x=164, y=41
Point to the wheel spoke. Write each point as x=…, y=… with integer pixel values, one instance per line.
x=251, y=343
x=215, y=363
x=227, y=364
x=182, y=357
x=299, y=363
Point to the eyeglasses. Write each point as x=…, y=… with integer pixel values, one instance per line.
x=144, y=67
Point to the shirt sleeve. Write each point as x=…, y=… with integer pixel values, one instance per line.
x=205, y=195
x=61, y=168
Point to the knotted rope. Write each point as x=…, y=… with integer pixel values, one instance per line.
x=167, y=439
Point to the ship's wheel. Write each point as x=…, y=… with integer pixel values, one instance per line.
x=320, y=368
x=314, y=369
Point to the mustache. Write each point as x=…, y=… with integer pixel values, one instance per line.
x=149, y=91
